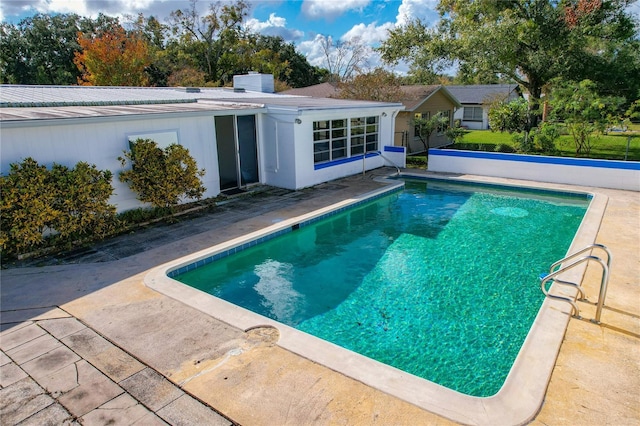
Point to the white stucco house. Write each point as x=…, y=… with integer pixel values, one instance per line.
x=241, y=136
x=475, y=100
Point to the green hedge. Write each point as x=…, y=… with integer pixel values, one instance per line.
x=62, y=204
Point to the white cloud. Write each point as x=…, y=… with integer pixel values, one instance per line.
x=329, y=10
x=370, y=34
x=274, y=26
x=312, y=49
x=410, y=10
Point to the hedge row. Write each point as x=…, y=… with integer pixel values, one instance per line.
x=61, y=203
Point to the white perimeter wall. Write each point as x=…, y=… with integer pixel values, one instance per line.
x=573, y=171
x=101, y=142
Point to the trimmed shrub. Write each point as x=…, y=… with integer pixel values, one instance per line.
x=161, y=177
x=61, y=203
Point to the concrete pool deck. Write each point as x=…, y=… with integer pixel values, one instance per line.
x=99, y=321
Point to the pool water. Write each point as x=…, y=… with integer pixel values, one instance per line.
x=439, y=280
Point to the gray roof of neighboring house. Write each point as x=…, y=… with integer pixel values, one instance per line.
x=411, y=96
x=322, y=90
x=416, y=95
x=19, y=102
x=481, y=93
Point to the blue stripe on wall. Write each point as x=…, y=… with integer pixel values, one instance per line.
x=564, y=161
x=394, y=148
x=342, y=161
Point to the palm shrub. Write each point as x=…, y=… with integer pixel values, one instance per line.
x=161, y=177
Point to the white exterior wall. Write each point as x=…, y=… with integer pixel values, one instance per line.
x=102, y=141
x=277, y=150
x=573, y=171
x=305, y=171
x=473, y=125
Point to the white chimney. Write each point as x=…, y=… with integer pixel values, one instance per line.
x=254, y=82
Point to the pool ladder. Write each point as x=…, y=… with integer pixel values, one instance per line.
x=553, y=273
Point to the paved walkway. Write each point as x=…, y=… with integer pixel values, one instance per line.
x=55, y=370
x=89, y=343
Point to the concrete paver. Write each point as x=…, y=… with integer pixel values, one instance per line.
x=122, y=410
x=93, y=390
x=53, y=415
x=188, y=411
x=50, y=362
x=596, y=379
x=33, y=348
x=21, y=400
x=10, y=373
x=152, y=389
x=62, y=327
x=108, y=358
x=14, y=337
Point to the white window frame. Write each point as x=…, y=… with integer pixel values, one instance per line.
x=345, y=137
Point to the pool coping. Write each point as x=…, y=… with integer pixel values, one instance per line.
x=522, y=394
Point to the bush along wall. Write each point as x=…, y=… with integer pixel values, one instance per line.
x=43, y=207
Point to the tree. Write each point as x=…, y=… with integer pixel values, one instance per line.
x=39, y=50
x=159, y=176
x=377, y=85
x=208, y=41
x=424, y=127
x=530, y=42
x=113, y=58
x=345, y=59
x=585, y=113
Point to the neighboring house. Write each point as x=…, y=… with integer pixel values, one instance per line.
x=425, y=102
x=240, y=137
x=418, y=100
x=475, y=100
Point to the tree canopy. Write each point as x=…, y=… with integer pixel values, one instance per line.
x=190, y=49
x=530, y=42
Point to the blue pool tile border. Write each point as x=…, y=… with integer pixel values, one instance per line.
x=193, y=265
x=388, y=148
x=346, y=160
x=540, y=191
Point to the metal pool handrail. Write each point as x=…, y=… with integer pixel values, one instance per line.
x=364, y=156
x=603, y=282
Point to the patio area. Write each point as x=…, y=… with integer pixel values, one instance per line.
x=84, y=341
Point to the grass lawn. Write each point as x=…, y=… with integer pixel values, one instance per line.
x=611, y=147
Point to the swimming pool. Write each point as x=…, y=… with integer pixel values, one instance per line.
x=398, y=240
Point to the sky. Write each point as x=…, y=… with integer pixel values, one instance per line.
x=302, y=22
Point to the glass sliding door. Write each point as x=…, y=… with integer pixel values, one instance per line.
x=237, y=145
x=227, y=153
x=247, y=149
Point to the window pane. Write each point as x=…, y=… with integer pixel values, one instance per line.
x=340, y=133
x=338, y=153
x=372, y=120
x=357, y=121
x=357, y=149
x=372, y=146
x=338, y=123
x=357, y=130
x=372, y=138
x=324, y=146
x=322, y=156
x=322, y=135
x=372, y=128
x=319, y=125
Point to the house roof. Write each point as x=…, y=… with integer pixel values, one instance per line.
x=416, y=95
x=19, y=103
x=412, y=96
x=322, y=90
x=482, y=93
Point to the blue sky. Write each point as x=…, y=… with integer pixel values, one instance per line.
x=302, y=22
